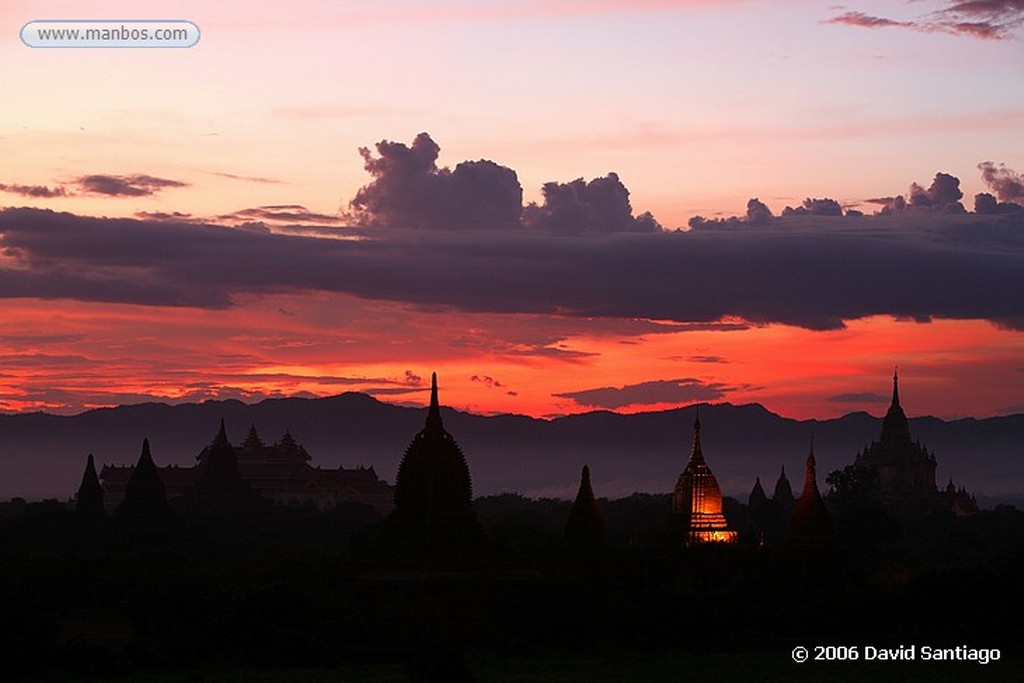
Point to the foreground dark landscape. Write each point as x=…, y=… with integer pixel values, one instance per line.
x=287, y=590
x=887, y=575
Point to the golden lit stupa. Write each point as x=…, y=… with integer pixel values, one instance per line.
x=699, y=500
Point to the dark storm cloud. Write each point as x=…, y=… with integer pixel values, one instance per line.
x=39, y=191
x=138, y=185
x=600, y=205
x=983, y=19
x=410, y=191
x=646, y=393
x=809, y=271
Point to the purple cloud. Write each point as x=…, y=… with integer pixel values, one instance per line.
x=410, y=191
x=38, y=191
x=647, y=393
x=138, y=185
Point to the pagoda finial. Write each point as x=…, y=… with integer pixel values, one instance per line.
x=434, y=412
x=696, y=453
x=895, y=386
x=810, y=477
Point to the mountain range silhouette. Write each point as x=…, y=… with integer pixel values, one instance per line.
x=41, y=455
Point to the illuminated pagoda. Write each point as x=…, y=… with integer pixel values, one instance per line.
x=698, y=500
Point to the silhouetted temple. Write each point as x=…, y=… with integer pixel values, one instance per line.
x=698, y=500
x=783, y=494
x=220, y=489
x=757, y=499
x=811, y=524
x=585, y=528
x=905, y=470
x=433, y=492
x=89, y=501
x=279, y=472
x=144, y=495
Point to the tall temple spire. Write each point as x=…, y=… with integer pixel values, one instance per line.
x=434, y=412
x=144, y=495
x=810, y=527
x=433, y=491
x=90, y=493
x=698, y=499
x=222, y=434
x=811, y=475
x=895, y=426
x=585, y=527
x=696, y=455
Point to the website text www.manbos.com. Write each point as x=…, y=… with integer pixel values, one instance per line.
x=62, y=33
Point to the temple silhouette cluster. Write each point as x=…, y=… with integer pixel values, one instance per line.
x=430, y=508
x=255, y=555
x=280, y=473
x=904, y=470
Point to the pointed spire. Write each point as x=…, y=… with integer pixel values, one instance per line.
x=810, y=477
x=145, y=458
x=586, y=526
x=434, y=412
x=222, y=434
x=783, y=490
x=586, y=491
x=144, y=495
x=757, y=496
x=253, y=442
x=895, y=386
x=696, y=454
x=90, y=493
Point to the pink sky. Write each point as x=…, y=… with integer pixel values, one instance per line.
x=697, y=106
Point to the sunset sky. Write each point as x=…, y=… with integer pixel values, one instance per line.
x=187, y=224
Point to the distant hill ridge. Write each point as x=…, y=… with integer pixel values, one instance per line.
x=42, y=455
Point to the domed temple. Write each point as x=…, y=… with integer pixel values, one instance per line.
x=698, y=500
x=433, y=491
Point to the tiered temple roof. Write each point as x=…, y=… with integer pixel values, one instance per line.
x=698, y=499
x=905, y=469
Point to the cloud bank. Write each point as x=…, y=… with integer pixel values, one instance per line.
x=409, y=190
x=809, y=271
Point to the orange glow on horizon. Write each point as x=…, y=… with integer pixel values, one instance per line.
x=65, y=356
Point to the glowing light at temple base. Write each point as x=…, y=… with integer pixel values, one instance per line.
x=716, y=536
